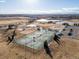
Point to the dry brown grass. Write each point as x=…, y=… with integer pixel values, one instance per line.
x=68, y=50
x=12, y=21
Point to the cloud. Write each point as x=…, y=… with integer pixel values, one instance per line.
x=71, y=10
x=2, y=1
x=31, y=11
x=53, y=11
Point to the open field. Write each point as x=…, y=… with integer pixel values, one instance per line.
x=69, y=48
x=74, y=20
x=12, y=21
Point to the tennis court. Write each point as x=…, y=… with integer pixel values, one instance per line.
x=36, y=39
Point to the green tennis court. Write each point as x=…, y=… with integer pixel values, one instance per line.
x=36, y=39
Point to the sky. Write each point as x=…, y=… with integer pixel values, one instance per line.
x=39, y=6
